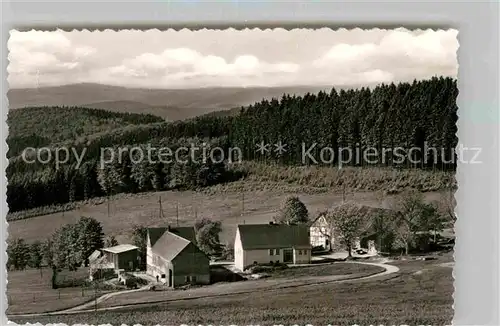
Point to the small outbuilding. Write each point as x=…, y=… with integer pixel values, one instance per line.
x=122, y=257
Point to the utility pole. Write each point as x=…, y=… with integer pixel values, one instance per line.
x=242, y=204
x=177, y=212
x=107, y=199
x=161, y=210
x=343, y=193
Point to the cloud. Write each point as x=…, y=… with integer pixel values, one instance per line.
x=399, y=55
x=177, y=66
x=141, y=59
x=42, y=53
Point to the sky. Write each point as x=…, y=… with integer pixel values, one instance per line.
x=229, y=58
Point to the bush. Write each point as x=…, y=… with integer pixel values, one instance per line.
x=71, y=283
x=227, y=252
x=267, y=268
x=131, y=281
x=318, y=249
x=106, y=274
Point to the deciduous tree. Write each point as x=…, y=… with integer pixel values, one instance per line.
x=348, y=224
x=292, y=211
x=111, y=241
x=207, y=235
x=139, y=238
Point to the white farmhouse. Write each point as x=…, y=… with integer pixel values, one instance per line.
x=269, y=243
x=321, y=233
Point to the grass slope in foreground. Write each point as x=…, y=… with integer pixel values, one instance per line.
x=30, y=291
x=421, y=294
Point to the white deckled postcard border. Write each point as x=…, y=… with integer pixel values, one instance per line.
x=477, y=228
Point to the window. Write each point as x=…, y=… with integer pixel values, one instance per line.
x=188, y=279
x=273, y=252
x=162, y=275
x=193, y=279
x=300, y=252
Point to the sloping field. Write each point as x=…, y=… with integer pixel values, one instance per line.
x=30, y=291
x=127, y=210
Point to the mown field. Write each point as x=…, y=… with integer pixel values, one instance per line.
x=30, y=291
x=359, y=270
x=257, y=201
x=420, y=294
x=337, y=271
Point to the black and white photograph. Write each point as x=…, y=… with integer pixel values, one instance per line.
x=232, y=177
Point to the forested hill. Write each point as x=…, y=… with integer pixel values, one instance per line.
x=42, y=126
x=403, y=115
x=170, y=104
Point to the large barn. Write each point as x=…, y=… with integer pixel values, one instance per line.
x=173, y=257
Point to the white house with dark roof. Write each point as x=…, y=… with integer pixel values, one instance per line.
x=321, y=233
x=173, y=258
x=269, y=243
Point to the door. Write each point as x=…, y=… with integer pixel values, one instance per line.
x=287, y=255
x=170, y=276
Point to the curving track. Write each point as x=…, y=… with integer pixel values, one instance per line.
x=86, y=307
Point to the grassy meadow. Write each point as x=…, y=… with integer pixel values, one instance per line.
x=30, y=291
x=420, y=294
x=125, y=210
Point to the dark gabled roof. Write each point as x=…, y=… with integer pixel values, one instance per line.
x=170, y=242
x=186, y=232
x=155, y=234
x=266, y=236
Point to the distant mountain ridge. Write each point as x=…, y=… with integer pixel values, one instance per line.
x=171, y=104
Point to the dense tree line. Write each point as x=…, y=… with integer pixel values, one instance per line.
x=124, y=173
x=418, y=114
x=405, y=115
